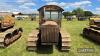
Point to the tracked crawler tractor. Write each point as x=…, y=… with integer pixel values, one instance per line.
x=93, y=31
x=50, y=32
x=8, y=33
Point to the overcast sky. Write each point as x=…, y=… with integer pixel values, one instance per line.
x=29, y=6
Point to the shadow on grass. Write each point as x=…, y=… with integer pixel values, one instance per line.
x=45, y=49
x=2, y=47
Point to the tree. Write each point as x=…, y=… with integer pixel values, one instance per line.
x=78, y=12
x=88, y=13
x=67, y=14
x=20, y=13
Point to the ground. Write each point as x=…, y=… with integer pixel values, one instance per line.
x=74, y=28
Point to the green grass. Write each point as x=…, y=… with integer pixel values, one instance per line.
x=74, y=28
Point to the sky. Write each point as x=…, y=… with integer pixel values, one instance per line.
x=30, y=6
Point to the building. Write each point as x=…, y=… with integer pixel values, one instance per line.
x=22, y=16
x=5, y=13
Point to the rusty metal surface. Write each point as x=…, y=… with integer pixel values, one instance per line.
x=7, y=21
x=42, y=21
x=49, y=32
x=50, y=23
x=4, y=39
x=65, y=41
x=32, y=40
x=92, y=33
x=3, y=34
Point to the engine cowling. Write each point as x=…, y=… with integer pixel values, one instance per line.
x=49, y=33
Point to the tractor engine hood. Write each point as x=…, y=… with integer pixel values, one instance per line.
x=53, y=23
x=49, y=33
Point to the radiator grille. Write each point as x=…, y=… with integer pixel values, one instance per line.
x=49, y=33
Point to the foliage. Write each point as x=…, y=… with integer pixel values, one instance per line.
x=67, y=14
x=88, y=13
x=78, y=12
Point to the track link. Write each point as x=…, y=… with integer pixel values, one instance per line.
x=65, y=41
x=32, y=41
x=9, y=36
x=92, y=33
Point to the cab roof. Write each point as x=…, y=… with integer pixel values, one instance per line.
x=55, y=6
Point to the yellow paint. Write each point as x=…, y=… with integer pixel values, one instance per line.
x=94, y=18
x=8, y=19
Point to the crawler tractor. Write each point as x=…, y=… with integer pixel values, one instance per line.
x=50, y=32
x=93, y=31
x=8, y=33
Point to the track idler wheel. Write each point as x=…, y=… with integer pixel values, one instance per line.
x=20, y=29
x=7, y=40
x=85, y=32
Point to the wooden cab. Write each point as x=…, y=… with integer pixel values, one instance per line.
x=50, y=13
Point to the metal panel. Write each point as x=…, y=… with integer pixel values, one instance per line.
x=49, y=33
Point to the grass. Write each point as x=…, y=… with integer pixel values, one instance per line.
x=74, y=28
